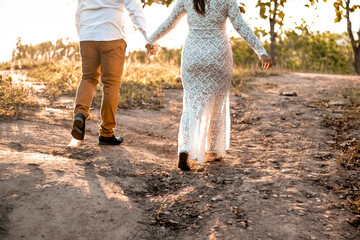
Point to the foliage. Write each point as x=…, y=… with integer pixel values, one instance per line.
x=302, y=50
x=272, y=9
x=27, y=54
x=298, y=50
x=341, y=6
x=320, y=52
x=165, y=55
x=243, y=54
x=150, y=2
x=343, y=9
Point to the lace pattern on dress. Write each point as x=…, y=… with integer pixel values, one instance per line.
x=206, y=71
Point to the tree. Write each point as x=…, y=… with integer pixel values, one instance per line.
x=163, y=2
x=20, y=52
x=343, y=10
x=272, y=10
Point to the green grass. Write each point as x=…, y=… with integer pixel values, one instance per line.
x=14, y=99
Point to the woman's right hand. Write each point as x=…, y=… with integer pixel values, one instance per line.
x=266, y=61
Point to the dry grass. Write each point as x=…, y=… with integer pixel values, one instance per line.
x=353, y=94
x=243, y=77
x=60, y=78
x=5, y=66
x=14, y=99
x=351, y=154
x=142, y=84
x=347, y=138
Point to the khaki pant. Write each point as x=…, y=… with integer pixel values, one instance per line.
x=105, y=59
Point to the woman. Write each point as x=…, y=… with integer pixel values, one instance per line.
x=206, y=71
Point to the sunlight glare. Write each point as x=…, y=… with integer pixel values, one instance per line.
x=52, y=20
x=74, y=143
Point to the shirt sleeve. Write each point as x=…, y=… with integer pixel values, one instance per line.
x=137, y=15
x=77, y=17
x=174, y=18
x=243, y=29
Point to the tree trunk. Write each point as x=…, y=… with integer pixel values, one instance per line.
x=354, y=44
x=272, y=40
x=357, y=61
x=273, y=33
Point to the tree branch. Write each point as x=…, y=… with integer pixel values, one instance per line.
x=275, y=9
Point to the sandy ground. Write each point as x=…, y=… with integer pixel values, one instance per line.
x=275, y=182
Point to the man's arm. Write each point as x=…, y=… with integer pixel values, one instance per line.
x=137, y=15
x=77, y=17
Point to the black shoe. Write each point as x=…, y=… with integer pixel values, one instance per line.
x=78, y=130
x=183, y=161
x=110, y=140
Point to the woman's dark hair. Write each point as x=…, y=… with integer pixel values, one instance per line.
x=199, y=6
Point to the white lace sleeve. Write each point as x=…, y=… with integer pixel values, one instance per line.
x=243, y=29
x=174, y=18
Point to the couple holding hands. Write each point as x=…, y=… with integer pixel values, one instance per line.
x=206, y=69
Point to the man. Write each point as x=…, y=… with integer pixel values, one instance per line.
x=100, y=24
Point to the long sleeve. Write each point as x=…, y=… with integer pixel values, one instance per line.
x=174, y=18
x=77, y=17
x=243, y=29
x=137, y=15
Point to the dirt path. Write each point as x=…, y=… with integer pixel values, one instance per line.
x=274, y=183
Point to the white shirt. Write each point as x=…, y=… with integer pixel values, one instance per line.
x=103, y=20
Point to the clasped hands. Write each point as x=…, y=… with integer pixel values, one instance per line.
x=151, y=49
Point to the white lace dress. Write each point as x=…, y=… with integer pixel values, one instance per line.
x=206, y=71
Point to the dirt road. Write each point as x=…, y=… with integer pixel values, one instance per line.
x=274, y=184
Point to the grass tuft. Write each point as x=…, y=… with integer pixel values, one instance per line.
x=14, y=99
x=59, y=78
x=243, y=77
x=353, y=94
x=143, y=85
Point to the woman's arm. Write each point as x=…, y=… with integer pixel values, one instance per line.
x=177, y=13
x=243, y=29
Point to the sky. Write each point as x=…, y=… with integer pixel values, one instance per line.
x=37, y=21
